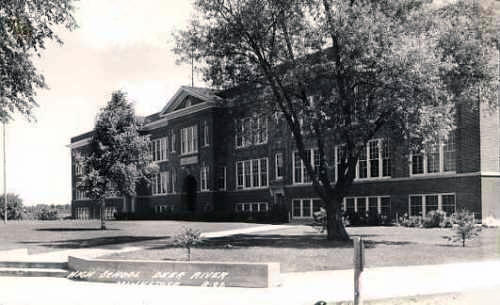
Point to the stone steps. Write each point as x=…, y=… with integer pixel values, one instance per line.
x=33, y=269
x=33, y=272
x=33, y=264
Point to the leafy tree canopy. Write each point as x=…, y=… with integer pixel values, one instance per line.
x=25, y=26
x=344, y=71
x=119, y=155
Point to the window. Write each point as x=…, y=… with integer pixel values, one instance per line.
x=159, y=149
x=374, y=160
x=205, y=134
x=109, y=213
x=239, y=175
x=252, y=173
x=221, y=178
x=431, y=203
x=261, y=135
x=172, y=141
x=449, y=157
x=439, y=157
x=448, y=204
x=251, y=130
x=163, y=208
x=415, y=206
x=361, y=205
x=78, y=169
x=379, y=204
x=278, y=165
x=362, y=165
x=160, y=184
x=305, y=208
x=374, y=156
x=300, y=175
x=80, y=195
x=204, y=178
x=189, y=140
x=417, y=164
x=253, y=207
x=420, y=205
x=82, y=213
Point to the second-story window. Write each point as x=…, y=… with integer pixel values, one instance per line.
x=374, y=160
x=189, y=140
x=206, y=141
x=159, y=149
x=172, y=141
x=300, y=174
x=437, y=157
x=278, y=165
x=251, y=131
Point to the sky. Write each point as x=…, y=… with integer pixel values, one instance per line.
x=118, y=45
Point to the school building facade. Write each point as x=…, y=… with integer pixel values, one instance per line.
x=217, y=153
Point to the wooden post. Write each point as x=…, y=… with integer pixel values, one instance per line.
x=359, y=262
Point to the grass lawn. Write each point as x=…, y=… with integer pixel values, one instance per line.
x=60, y=235
x=301, y=248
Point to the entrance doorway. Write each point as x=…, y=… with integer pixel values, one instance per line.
x=189, y=188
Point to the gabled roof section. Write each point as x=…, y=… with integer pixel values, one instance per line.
x=198, y=95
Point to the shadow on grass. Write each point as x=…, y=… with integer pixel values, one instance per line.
x=307, y=241
x=95, y=242
x=271, y=240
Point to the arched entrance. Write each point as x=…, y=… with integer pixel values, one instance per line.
x=189, y=188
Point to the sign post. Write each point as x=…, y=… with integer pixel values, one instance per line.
x=359, y=262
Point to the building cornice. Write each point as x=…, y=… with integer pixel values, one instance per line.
x=80, y=143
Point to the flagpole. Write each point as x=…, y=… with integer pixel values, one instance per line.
x=4, y=175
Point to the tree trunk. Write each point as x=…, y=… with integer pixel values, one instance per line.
x=103, y=207
x=334, y=225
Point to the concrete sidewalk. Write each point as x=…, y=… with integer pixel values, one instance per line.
x=303, y=288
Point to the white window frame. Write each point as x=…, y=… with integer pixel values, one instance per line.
x=162, y=181
x=80, y=195
x=189, y=140
x=380, y=160
x=252, y=183
x=301, y=205
x=172, y=141
x=159, y=149
x=441, y=145
x=424, y=207
x=367, y=202
x=311, y=152
x=252, y=136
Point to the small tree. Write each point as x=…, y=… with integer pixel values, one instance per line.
x=119, y=156
x=464, y=227
x=187, y=239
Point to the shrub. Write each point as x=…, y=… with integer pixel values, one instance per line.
x=187, y=239
x=47, y=214
x=464, y=227
x=410, y=221
x=434, y=219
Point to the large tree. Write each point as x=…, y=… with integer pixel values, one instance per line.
x=119, y=156
x=25, y=27
x=344, y=71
